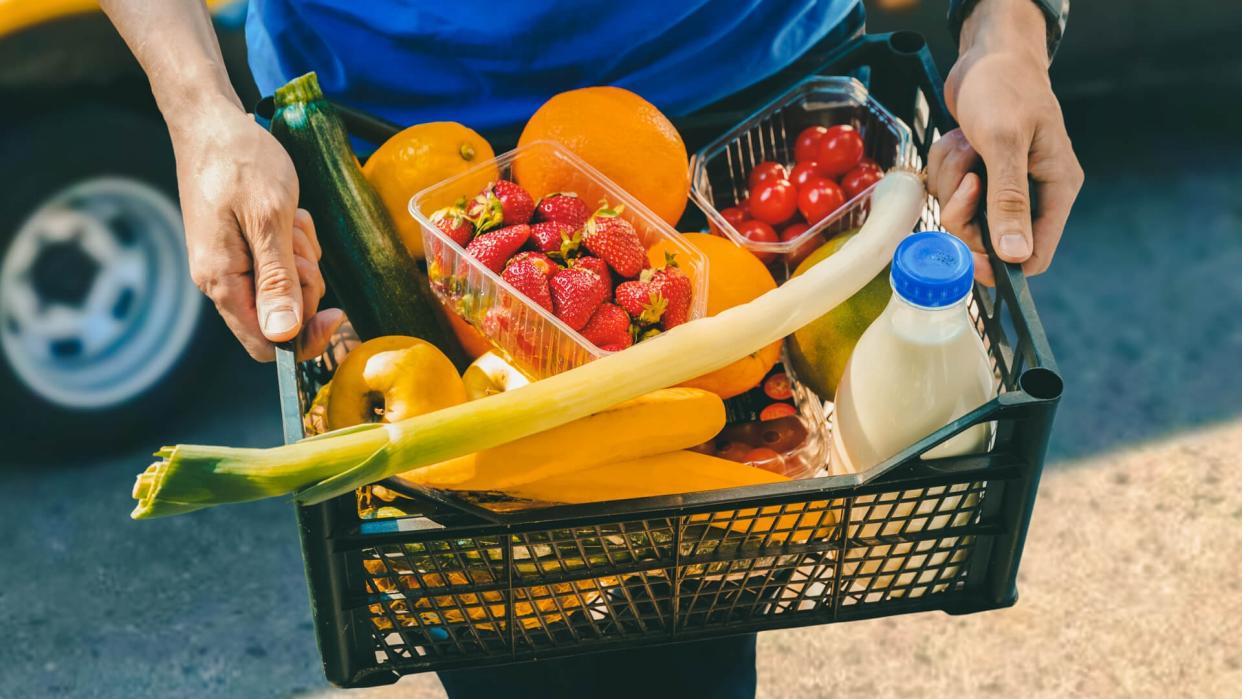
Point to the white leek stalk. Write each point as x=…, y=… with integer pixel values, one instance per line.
x=191, y=477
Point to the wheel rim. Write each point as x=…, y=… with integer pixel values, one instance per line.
x=96, y=302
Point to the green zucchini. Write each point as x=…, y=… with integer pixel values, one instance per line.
x=365, y=264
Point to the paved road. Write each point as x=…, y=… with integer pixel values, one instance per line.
x=1127, y=589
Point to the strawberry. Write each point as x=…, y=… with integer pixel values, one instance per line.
x=452, y=222
x=546, y=264
x=563, y=207
x=575, y=295
x=530, y=276
x=609, y=328
x=672, y=284
x=492, y=249
x=600, y=268
x=501, y=203
x=641, y=301
x=556, y=237
x=613, y=239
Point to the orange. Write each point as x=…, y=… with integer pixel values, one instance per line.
x=620, y=134
x=423, y=155
x=734, y=276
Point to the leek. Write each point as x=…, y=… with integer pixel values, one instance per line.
x=191, y=477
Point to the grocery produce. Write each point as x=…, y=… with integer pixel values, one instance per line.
x=562, y=207
x=806, y=146
x=191, y=477
x=614, y=240
x=365, y=263
x=818, y=198
x=676, y=472
x=390, y=378
x=759, y=232
x=530, y=277
x=418, y=157
x=863, y=175
x=575, y=295
x=490, y=374
x=839, y=150
x=764, y=172
x=794, y=231
x=571, y=269
x=555, y=237
x=774, y=201
x=820, y=349
x=735, y=277
x=493, y=249
x=501, y=203
x=452, y=222
x=609, y=328
x=781, y=203
x=654, y=423
x=618, y=133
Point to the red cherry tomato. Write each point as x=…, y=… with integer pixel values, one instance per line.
x=807, y=145
x=774, y=201
x=759, y=232
x=839, y=150
x=868, y=162
x=806, y=247
x=860, y=178
x=767, y=170
x=820, y=197
x=804, y=171
x=733, y=215
x=766, y=459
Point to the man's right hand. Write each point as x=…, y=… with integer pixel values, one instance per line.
x=252, y=251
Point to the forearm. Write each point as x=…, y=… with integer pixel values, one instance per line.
x=176, y=46
x=1015, y=26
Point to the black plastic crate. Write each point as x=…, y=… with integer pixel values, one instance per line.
x=457, y=585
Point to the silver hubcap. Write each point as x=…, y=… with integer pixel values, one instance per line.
x=96, y=302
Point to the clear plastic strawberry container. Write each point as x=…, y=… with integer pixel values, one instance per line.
x=526, y=334
x=719, y=171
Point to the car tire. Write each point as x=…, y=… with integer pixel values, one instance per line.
x=101, y=329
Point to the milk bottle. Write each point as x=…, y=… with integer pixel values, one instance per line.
x=919, y=366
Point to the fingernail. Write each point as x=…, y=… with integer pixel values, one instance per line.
x=1014, y=245
x=280, y=321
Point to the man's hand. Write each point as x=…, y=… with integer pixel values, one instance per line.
x=1000, y=94
x=252, y=251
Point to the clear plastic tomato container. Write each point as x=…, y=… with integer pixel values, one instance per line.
x=719, y=171
x=528, y=336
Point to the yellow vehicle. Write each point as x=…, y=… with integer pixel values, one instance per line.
x=97, y=310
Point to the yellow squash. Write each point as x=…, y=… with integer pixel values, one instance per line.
x=660, y=421
x=680, y=472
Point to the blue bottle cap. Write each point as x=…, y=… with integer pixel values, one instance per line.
x=932, y=269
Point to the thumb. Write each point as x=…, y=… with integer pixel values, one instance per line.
x=1009, y=198
x=277, y=291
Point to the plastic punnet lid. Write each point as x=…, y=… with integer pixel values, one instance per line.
x=932, y=269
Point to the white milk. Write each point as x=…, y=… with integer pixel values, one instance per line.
x=919, y=366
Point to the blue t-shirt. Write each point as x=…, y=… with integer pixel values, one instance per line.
x=491, y=63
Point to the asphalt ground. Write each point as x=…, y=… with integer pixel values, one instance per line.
x=1129, y=585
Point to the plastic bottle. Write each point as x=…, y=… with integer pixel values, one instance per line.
x=919, y=366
